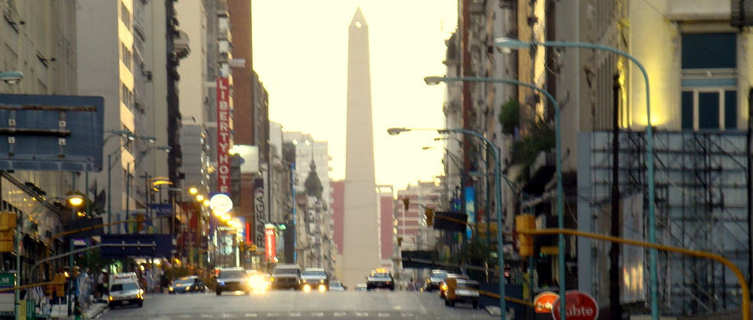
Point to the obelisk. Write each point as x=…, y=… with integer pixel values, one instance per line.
x=360, y=242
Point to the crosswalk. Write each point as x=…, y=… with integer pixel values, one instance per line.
x=304, y=315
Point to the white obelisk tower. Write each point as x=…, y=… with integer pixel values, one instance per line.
x=360, y=242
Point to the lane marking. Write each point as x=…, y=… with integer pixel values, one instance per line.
x=273, y=314
x=362, y=314
x=383, y=315
x=339, y=314
x=406, y=314
x=251, y=315
x=317, y=314
x=295, y=314
x=206, y=315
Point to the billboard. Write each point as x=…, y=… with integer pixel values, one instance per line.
x=51, y=132
x=260, y=218
x=470, y=210
x=269, y=243
x=223, y=135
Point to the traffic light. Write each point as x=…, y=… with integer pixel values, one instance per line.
x=525, y=241
x=429, y=212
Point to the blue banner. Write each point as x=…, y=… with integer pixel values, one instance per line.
x=470, y=209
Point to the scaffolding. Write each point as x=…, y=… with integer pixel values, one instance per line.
x=701, y=191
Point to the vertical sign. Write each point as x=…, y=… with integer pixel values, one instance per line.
x=223, y=135
x=260, y=217
x=470, y=210
x=269, y=242
x=249, y=233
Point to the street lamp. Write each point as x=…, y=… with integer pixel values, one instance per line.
x=200, y=198
x=509, y=43
x=75, y=200
x=11, y=77
x=193, y=191
x=558, y=152
x=498, y=203
x=131, y=137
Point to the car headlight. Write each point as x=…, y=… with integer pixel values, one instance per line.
x=322, y=288
x=306, y=288
x=109, y=298
x=170, y=288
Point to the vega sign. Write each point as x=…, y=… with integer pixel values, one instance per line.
x=578, y=306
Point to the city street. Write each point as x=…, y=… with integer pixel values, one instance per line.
x=298, y=305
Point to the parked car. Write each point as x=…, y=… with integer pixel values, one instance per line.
x=380, y=279
x=336, y=286
x=435, y=279
x=443, y=287
x=232, y=279
x=187, y=284
x=461, y=290
x=286, y=276
x=314, y=279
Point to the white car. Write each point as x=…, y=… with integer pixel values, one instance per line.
x=125, y=290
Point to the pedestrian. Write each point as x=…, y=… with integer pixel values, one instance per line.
x=101, y=284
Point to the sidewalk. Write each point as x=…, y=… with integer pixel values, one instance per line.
x=94, y=311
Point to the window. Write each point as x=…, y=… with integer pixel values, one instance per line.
x=126, y=96
x=125, y=15
x=126, y=56
x=709, y=81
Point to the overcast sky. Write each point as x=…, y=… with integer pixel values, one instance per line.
x=300, y=53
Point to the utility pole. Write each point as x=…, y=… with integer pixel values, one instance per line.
x=614, y=250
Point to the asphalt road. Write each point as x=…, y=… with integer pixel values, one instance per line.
x=298, y=305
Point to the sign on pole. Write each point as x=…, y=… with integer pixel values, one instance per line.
x=544, y=301
x=579, y=306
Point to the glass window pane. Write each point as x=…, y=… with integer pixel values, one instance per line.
x=730, y=109
x=709, y=50
x=708, y=110
x=687, y=110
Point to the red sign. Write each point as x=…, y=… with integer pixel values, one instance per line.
x=223, y=135
x=269, y=243
x=248, y=233
x=544, y=301
x=578, y=306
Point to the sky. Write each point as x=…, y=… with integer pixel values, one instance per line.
x=300, y=53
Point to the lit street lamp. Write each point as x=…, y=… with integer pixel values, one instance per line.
x=498, y=203
x=508, y=44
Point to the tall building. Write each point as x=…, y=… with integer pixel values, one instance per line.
x=361, y=253
x=338, y=217
x=125, y=48
x=38, y=38
x=386, y=227
x=312, y=159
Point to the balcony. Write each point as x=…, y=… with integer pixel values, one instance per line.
x=181, y=45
